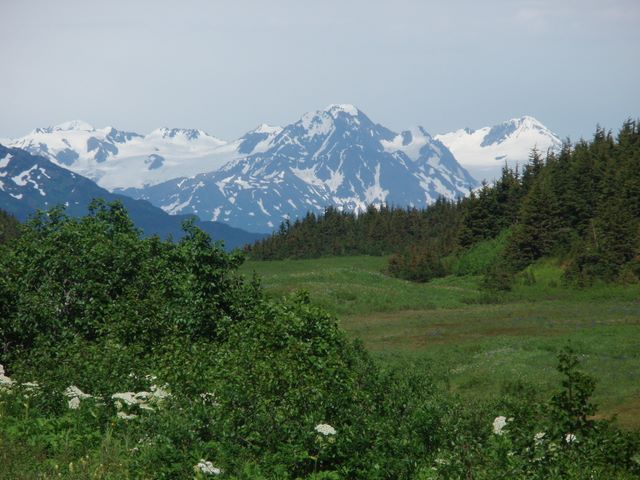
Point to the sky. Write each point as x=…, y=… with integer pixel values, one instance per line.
x=227, y=66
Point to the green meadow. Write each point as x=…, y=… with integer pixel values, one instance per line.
x=474, y=343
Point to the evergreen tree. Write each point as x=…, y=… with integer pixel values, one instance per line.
x=9, y=227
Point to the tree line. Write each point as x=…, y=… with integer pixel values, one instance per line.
x=379, y=230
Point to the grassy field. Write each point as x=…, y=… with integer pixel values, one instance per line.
x=473, y=344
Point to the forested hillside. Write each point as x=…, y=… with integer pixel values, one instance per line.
x=377, y=231
x=581, y=204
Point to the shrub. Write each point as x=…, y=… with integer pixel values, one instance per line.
x=498, y=278
x=418, y=264
x=478, y=259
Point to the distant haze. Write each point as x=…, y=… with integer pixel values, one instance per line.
x=227, y=66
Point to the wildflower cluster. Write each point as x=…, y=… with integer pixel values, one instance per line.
x=207, y=468
x=6, y=383
x=325, y=429
x=75, y=395
x=499, y=424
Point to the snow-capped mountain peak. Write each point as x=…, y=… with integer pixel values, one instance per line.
x=268, y=129
x=187, y=134
x=120, y=159
x=70, y=125
x=514, y=128
x=486, y=150
x=336, y=109
x=73, y=125
x=334, y=156
x=322, y=122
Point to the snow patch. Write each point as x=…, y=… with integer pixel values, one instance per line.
x=375, y=192
x=24, y=177
x=5, y=161
x=308, y=175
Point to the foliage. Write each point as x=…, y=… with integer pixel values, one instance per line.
x=416, y=264
x=9, y=227
x=88, y=302
x=376, y=231
x=499, y=277
x=481, y=256
x=572, y=407
x=94, y=278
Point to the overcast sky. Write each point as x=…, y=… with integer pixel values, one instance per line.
x=226, y=66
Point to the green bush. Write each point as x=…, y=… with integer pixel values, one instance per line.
x=418, y=264
x=90, y=303
x=478, y=259
x=498, y=278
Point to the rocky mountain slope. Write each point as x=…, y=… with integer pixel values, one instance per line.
x=335, y=156
x=29, y=182
x=118, y=159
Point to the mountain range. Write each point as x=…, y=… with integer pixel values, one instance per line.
x=29, y=182
x=120, y=159
x=334, y=156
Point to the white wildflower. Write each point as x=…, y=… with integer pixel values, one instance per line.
x=143, y=397
x=30, y=388
x=143, y=400
x=538, y=438
x=130, y=399
x=127, y=397
x=570, y=438
x=325, y=429
x=159, y=393
x=74, y=403
x=125, y=416
x=5, y=382
x=207, y=468
x=74, y=392
x=208, y=397
x=498, y=424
